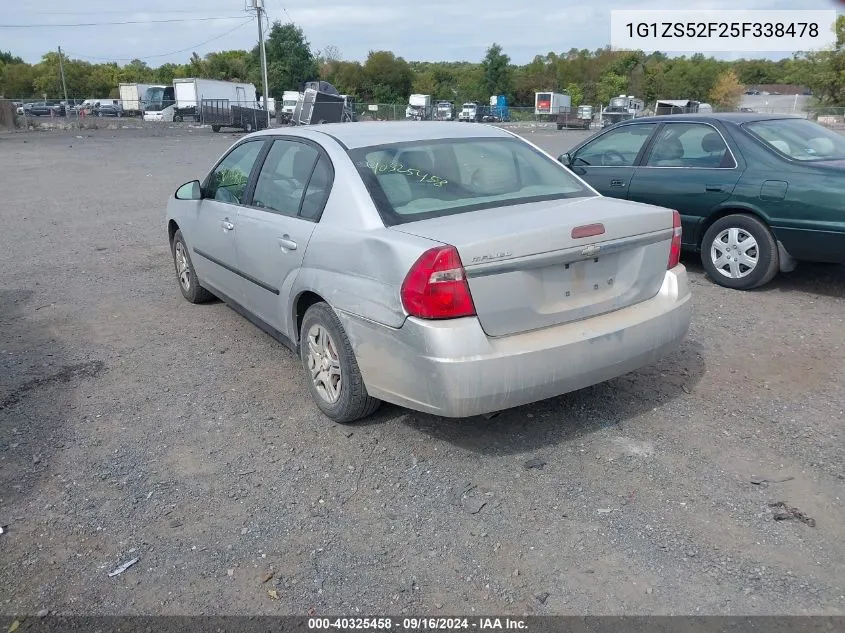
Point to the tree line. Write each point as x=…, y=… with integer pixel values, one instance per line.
x=590, y=77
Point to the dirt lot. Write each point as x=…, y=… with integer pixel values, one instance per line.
x=135, y=425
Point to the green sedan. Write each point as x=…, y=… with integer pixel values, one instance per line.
x=756, y=193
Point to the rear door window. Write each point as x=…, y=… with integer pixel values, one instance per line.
x=690, y=145
x=284, y=177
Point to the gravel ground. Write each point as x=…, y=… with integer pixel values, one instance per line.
x=135, y=425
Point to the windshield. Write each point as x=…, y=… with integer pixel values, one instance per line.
x=289, y=103
x=419, y=180
x=799, y=139
x=469, y=106
x=154, y=99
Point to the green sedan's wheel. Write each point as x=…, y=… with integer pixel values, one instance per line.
x=739, y=252
x=332, y=373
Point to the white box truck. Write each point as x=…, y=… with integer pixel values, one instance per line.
x=289, y=100
x=419, y=107
x=548, y=104
x=189, y=94
x=132, y=96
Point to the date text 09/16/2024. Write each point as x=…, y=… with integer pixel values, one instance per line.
x=416, y=624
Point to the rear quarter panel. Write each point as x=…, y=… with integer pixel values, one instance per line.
x=803, y=204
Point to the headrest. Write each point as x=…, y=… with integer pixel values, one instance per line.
x=712, y=142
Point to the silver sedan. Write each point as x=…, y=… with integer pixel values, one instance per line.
x=448, y=269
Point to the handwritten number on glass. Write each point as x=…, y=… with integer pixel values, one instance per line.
x=398, y=168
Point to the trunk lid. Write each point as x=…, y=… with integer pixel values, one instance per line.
x=526, y=270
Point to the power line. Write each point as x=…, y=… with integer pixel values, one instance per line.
x=170, y=20
x=107, y=12
x=184, y=50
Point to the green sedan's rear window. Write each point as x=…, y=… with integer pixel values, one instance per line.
x=420, y=180
x=799, y=139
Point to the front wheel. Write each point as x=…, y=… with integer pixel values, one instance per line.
x=332, y=373
x=188, y=282
x=739, y=252
x=215, y=128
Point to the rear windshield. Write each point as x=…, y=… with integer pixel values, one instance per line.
x=421, y=180
x=799, y=139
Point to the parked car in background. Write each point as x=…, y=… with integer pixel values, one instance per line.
x=107, y=109
x=448, y=269
x=44, y=108
x=757, y=193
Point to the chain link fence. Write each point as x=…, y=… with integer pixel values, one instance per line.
x=30, y=114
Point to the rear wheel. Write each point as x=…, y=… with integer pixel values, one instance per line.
x=739, y=252
x=215, y=128
x=332, y=373
x=248, y=128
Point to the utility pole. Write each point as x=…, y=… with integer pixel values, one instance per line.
x=62, y=71
x=259, y=10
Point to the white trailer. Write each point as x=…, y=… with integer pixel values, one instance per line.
x=550, y=104
x=132, y=95
x=419, y=107
x=189, y=93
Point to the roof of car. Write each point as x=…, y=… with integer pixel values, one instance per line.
x=727, y=117
x=367, y=133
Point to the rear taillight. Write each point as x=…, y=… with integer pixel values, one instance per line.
x=675, y=249
x=436, y=286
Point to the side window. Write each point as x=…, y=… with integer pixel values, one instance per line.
x=690, y=145
x=229, y=179
x=284, y=176
x=317, y=191
x=617, y=148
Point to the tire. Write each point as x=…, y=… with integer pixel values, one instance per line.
x=191, y=289
x=215, y=128
x=177, y=118
x=351, y=402
x=248, y=128
x=559, y=127
x=717, y=244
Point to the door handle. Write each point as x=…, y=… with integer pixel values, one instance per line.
x=227, y=226
x=287, y=243
x=714, y=188
x=617, y=182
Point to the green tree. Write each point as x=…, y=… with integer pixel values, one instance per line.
x=6, y=57
x=497, y=78
x=727, y=92
x=609, y=86
x=290, y=61
x=166, y=73
x=17, y=81
x=576, y=95
x=387, y=78
x=347, y=77
x=824, y=71
x=234, y=65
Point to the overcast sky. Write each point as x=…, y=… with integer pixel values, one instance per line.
x=425, y=31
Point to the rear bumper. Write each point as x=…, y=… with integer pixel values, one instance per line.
x=453, y=369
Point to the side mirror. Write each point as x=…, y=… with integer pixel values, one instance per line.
x=565, y=159
x=189, y=191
